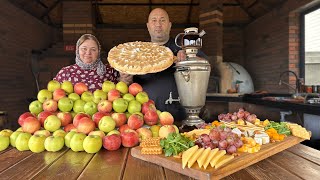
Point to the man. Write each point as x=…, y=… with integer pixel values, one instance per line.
x=160, y=85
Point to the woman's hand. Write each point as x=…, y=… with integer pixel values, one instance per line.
x=127, y=78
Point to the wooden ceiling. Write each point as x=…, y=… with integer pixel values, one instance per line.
x=127, y=12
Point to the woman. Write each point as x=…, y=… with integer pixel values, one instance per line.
x=88, y=68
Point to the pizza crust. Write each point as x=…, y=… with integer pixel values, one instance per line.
x=138, y=58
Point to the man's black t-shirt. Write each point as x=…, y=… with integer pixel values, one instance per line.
x=159, y=85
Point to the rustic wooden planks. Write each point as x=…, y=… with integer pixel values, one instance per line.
x=238, y=163
x=30, y=166
x=106, y=165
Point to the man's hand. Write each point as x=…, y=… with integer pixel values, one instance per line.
x=181, y=56
x=127, y=78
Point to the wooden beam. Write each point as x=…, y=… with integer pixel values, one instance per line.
x=230, y=4
x=252, y=4
x=50, y=8
x=98, y=13
x=147, y=4
x=245, y=10
x=189, y=12
x=42, y=4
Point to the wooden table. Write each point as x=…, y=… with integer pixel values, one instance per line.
x=297, y=162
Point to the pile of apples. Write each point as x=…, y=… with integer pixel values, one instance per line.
x=72, y=116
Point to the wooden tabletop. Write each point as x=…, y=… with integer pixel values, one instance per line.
x=297, y=162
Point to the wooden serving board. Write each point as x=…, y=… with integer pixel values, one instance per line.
x=236, y=164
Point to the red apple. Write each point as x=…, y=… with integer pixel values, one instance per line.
x=165, y=130
x=123, y=128
x=144, y=133
x=23, y=117
x=119, y=118
x=151, y=117
x=135, y=88
x=85, y=125
x=65, y=117
x=135, y=121
x=113, y=94
x=31, y=125
x=105, y=106
x=78, y=117
x=97, y=116
x=58, y=94
x=50, y=105
x=111, y=142
x=147, y=106
x=80, y=87
x=42, y=116
x=129, y=138
x=166, y=118
x=69, y=127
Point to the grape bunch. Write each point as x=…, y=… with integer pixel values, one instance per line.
x=221, y=138
x=241, y=114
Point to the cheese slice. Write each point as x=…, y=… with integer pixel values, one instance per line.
x=186, y=155
x=214, y=160
x=212, y=153
x=203, y=157
x=223, y=160
x=194, y=157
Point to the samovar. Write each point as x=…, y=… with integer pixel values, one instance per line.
x=192, y=76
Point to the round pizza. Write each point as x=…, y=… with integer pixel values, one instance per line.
x=140, y=57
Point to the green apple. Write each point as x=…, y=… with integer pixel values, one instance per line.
x=120, y=105
x=87, y=96
x=134, y=106
x=107, y=124
x=99, y=95
x=129, y=97
x=19, y=129
x=52, y=123
x=54, y=143
x=67, y=87
x=76, y=143
x=59, y=132
x=176, y=128
x=122, y=87
x=36, y=143
x=4, y=142
x=73, y=114
x=142, y=97
x=128, y=114
x=90, y=108
x=65, y=104
x=79, y=106
x=53, y=85
x=107, y=86
x=22, y=141
x=98, y=132
x=92, y=143
x=13, y=138
x=68, y=137
x=44, y=95
x=73, y=96
x=158, y=112
x=113, y=132
x=35, y=107
x=139, y=113
x=155, y=130
x=6, y=132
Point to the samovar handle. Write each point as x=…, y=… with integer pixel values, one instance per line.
x=185, y=72
x=175, y=40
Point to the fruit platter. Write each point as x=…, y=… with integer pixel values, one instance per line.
x=116, y=116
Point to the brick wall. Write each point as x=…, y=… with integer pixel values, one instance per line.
x=20, y=33
x=233, y=45
x=271, y=47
